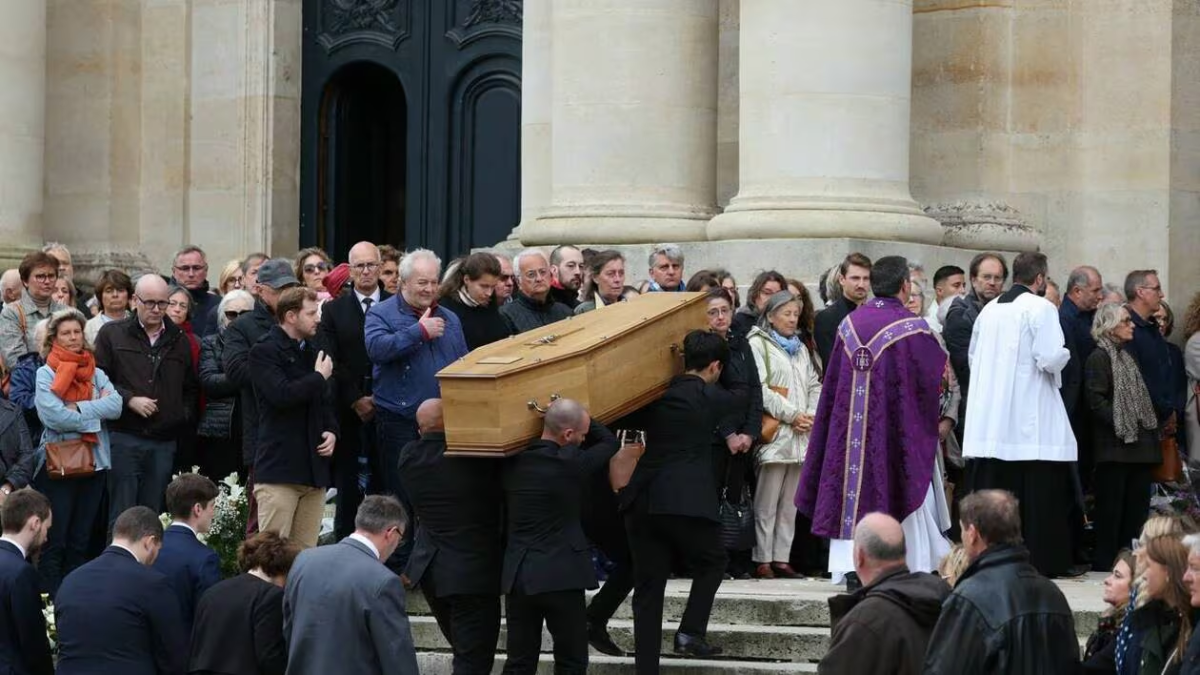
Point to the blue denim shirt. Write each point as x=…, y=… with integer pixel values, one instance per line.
x=62, y=423
x=404, y=361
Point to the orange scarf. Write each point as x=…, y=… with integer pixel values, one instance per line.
x=73, y=374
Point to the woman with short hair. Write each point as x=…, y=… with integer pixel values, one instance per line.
x=312, y=264
x=221, y=423
x=232, y=278
x=1125, y=433
x=114, y=293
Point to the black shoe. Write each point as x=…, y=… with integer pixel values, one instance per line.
x=600, y=640
x=853, y=583
x=694, y=646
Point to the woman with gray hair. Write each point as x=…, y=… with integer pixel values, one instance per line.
x=221, y=423
x=1125, y=434
x=790, y=373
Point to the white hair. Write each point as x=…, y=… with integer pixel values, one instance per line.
x=1192, y=542
x=671, y=251
x=235, y=294
x=529, y=253
x=410, y=260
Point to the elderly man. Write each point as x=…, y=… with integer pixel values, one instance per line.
x=988, y=272
x=1003, y=617
x=190, y=271
x=533, y=306
x=409, y=339
x=1085, y=289
x=149, y=360
x=566, y=270
x=666, y=269
x=894, y=612
x=10, y=286
x=506, y=285
x=854, y=276
x=39, y=272
x=1149, y=348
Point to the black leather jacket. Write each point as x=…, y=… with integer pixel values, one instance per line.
x=1004, y=617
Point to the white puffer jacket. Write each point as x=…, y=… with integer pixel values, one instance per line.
x=799, y=375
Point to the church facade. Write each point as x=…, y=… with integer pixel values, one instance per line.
x=932, y=128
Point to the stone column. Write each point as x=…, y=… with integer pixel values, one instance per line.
x=633, y=122
x=22, y=125
x=824, y=134
x=536, y=109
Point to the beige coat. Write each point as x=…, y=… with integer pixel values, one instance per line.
x=800, y=377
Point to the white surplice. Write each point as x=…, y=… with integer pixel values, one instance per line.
x=1014, y=410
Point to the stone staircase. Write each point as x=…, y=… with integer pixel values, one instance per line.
x=775, y=626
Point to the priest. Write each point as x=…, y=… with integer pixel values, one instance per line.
x=1018, y=436
x=874, y=440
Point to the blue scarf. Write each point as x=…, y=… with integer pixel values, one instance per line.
x=791, y=345
x=655, y=288
x=1125, y=642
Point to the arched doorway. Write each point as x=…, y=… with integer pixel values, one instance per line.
x=362, y=159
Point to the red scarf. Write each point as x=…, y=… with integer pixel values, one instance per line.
x=73, y=372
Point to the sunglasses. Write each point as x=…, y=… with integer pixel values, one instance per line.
x=317, y=267
x=233, y=314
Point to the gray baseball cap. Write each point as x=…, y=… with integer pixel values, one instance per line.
x=277, y=273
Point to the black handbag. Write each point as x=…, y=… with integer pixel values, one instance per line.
x=737, y=519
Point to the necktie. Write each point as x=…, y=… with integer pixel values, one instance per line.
x=367, y=302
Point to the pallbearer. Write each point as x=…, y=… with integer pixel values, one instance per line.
x=874, y=441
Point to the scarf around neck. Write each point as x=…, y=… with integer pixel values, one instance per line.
x=73, y=373
x=791, y=345
x=655, y=288
x=1132, y=408
x=466, y=298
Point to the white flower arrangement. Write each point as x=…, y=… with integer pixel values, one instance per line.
x=51, y=625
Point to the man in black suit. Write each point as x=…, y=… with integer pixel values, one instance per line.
x=341, y=336
x=24, y=649
x=547, y=565
x=855, y=274
x=115, y=615
x=670, y=503
x=456, y=558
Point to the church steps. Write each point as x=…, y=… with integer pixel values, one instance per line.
x=440, y=663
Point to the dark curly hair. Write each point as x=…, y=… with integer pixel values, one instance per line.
x=269, y=552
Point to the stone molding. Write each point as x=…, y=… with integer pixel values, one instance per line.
x=984, y=225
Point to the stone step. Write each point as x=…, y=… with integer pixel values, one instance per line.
x=440, y=663
x=765, y=643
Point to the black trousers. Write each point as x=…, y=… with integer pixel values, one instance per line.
x=615, y=545
x=1122, y=504
x=356, y=443
x=1046, y=493
x=657, y=543
x=471, y=624
x=565, y=616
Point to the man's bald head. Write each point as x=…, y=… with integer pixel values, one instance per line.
x=429, y=416
x=878, y=546
x=365, y=265
x=150, y=284
x=10, y=285
x=150, y=300
x=566, y=422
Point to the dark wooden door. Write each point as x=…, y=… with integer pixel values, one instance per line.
x=411, y=123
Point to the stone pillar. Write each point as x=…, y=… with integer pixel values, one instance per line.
x=633, y=122
x=22, y=126
x=824, y=133
x=536, y=109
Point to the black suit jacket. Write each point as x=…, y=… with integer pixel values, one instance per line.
x=341, y=336
x=458, y=504
x=239, y=629
x=826, y=324
x=547, y=550
x=116, y=616
x=24, y=649
x=675, y=476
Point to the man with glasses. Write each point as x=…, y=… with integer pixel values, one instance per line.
x=1148, y=347
x=149, y=360
x=18, y=320
x=273, y=277
x=190, y=271
x=988, y=272
x=532, y=307
x=341, y=336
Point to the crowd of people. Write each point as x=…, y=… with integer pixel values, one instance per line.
x=866, y=431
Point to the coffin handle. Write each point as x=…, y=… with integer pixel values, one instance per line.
x=532, y=404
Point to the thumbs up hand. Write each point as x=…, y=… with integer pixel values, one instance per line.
x=434, y=327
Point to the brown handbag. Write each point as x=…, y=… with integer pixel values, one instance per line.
x=770, y=425
x=623, y=463
x=70, y=459
x=1171, y=468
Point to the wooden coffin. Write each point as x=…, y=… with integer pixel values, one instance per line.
x=613, y=360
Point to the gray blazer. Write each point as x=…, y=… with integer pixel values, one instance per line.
x=343, y=612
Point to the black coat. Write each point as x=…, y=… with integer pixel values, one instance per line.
x=481, y=325
x=960, y=323
x=547, y=550
x=16, y=447
x=116, y=616
x=341, y=336
x=566, y=296
x=239, y=629
x=24, y=649
x=1191, y=657
x=602, y=521
x=675, y=475
x=1106, y=447
x=221, y=396
x=1004, y=617
x=240, y=336
x=458, y=503
x=295, y=407
x=523, y=313
x=826, y=324
x=163, y=372
x=740, y=378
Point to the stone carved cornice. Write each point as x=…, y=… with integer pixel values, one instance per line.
x=345, y=22
x=984, y=225
x=494, y=11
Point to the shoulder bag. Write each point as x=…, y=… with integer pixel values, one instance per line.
x=72, y=458
x=770, y=425
x=737, y=518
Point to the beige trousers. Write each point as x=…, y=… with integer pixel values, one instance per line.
x=292, y=511
x=775, y=512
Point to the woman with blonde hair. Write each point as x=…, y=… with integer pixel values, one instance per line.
x=1127, y=651
x=232, y=277
x=1165, y=621
x=1098, y=655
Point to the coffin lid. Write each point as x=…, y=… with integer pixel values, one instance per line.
x=567, y=338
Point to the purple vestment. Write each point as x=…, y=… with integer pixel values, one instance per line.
x=875, y=437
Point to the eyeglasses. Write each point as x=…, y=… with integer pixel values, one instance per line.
x=153, y=304
x=365, y=267
x=233, y=314
x=236, y=281
x=536, y=274
x=719, y=311
x=44, y=278
x=317, y=267
x=1156, y=289
x=192, y=269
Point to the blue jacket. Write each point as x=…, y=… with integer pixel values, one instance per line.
x=24, y=649
x=112, y=620
x=60, y=422
x=1149, y=349
x=404, y=360
x=190, y=567
x=22, y=386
